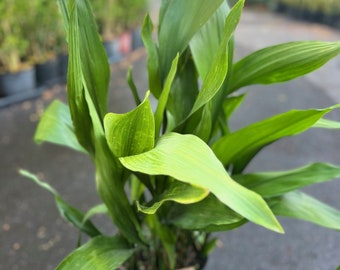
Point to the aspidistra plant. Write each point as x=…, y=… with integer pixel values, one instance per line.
x=183, y=167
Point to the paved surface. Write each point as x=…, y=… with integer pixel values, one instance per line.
x=32, y=236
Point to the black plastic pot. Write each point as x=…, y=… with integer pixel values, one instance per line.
x=47, y=73
x=62, y=67
x=17, y=83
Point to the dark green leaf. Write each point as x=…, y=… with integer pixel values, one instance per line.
x=88, y=69
x=269, y=184
x=282, y=62
x=56, y=126
x=206, y=41
x=299, y=205
x=69, y=213
x=219, y=66
x=238, y=148
x=207, y=215
x=98, y=254
x=153, y=60
x=133, y=87
x=88, y=78
x=163, y=99
x=186, y=16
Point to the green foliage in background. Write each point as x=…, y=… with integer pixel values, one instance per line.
x=171, y=175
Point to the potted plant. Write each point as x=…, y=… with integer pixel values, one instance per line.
x=106, y=18
x=129, y=15
x=41, y=31
x=16, y=74
x=169, y=177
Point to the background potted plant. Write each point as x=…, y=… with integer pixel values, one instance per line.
x=42, y=30
x=16, y=73
x=106, y=18
x=169, y=177
x=129, y=15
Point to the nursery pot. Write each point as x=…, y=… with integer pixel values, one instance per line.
x=62, y=67
x=17, y=83
x=112, y=50
x=47, y=72
x=136, y=39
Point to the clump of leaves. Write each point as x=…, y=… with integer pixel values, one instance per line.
x=182, y=164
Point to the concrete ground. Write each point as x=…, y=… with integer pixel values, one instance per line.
x=33, y=236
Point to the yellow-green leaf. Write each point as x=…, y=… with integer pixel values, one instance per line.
x=188, y=159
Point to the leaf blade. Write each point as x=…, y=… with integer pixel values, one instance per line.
x=190, y=160
x=282, y=62
x=99, y=253
x=56, y=127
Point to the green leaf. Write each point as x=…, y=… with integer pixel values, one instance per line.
x=69, y=213
x=163, y=99
x=326, y=123
x=178, y=192
x=302, y=206
x=269, y=184
x=88, y=69
x=88, y=79
x=153, y=59
x=231, y=104
x=99, y=253
x=184, y=90
x=131, y=133
x=243, y=144
x=98, y=209
x=56, y=126
x=207, y=215
x=219, y=65
x=188, y=159
x=190, y=16
x=133, y=87
x=167, y=237
x=206, y=41
x=282, y=62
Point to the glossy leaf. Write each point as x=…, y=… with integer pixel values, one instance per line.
x=178, y=192
x=88, y=69
x=131, y=133
x=184, y=90
x=209, y=214
x=231, y=104
x=206, y=41
x=99, y=253
x=56, y=126
x=269, y=184
x=243, y=144
x=219, y=66
x=69, y=213
x=153, y=58
x=282, y=62
x=190, y=160
x=163, y=99
x=88, y=78
x=190, y=16
x=299, y=205
x=133, y=87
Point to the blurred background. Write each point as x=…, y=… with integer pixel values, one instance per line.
x=33, y=49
